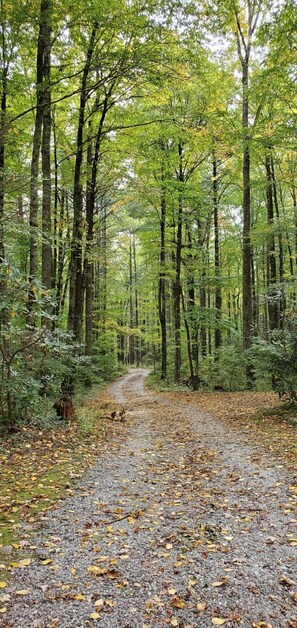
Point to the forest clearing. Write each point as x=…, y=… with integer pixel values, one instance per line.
x=148, y=232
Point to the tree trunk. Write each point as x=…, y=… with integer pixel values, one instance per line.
x=162, y=286
x=76, y=270
x=46, y=270
x=217, y=267
x=33, y=211
x=177, y=280
x=247, y=304
x=271, y=260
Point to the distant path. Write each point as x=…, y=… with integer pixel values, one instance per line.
x=180, y=523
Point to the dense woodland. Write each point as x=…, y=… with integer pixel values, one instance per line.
x=148, y=201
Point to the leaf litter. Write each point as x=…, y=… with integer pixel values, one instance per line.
x=181, y=522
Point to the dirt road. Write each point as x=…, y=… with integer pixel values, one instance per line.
x=181, y=523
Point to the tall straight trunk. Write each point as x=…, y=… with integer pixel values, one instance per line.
x=3, y=313
x=177, y=280
x=2, y=155
x=162, y=285
x=217, y=266
x=60, y=253
x=88, y=265
x=33, y=211
x=202, y=299
x=244, y=36
x=137, y=343
x=191, y=307
x=131, y=310
x=76, y=269
x=282, y=304
x=93, y=161
x=55, y=216
x=271, y=255
x=247, y=304
x=46, y=253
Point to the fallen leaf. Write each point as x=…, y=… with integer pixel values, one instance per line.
x=178, y=602
x=99, y=604
x=47, y=561
x=174, y=622
x=218, y=621
x=25, y=562
x=3, y=609
x=95, y=616
x=201, y=606
x=219, y=583
x=171, y=591
x=23, y=592
x=3, y=584
x=79, y=596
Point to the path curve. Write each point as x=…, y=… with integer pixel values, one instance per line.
x=180, y=523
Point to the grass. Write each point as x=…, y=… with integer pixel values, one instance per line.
x=38, y=466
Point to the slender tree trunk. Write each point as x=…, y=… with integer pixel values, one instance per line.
x=247, y=304
x=131, y=310
x=218, y=291
x=46, y=269
x=2, y=156
x=89, y=267
x=76, y=269
x=162, y=286
x=177, y=280
x=33, y=212
x=244, y=42
x=271, y=258
x=137, y=346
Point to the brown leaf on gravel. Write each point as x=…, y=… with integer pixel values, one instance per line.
x=178, y=602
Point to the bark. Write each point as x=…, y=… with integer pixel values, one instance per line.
x=217, y=267
x=2, y=157
x=131, y=317
x=244, y=42
x=33, y=211
x=191, y=306
x=88, y=266
x=177, y=280
x=93, y=161
x=162, y=285
x=76, y=270
x=137, y=347
x=46, y=255
x=271, y=255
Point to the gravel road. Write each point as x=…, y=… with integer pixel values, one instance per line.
x=182, y=522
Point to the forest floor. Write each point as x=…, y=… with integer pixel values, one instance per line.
x=185, y=519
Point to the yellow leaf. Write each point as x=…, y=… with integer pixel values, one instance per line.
x=218, y=621
x=95, y=616
x=168, y=545
x=201, y=606
x=3, y=584
x=25, y=562
x=73, y=570
x=99, y=604
x=3, y=609
x=79, y=596
x=174, y=622
x=47, y=561
x=217, y=584
x=23, y=591
x=171, y=591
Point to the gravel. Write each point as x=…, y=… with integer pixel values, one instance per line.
x=182, y=522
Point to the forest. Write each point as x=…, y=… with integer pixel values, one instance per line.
x=148, y=201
